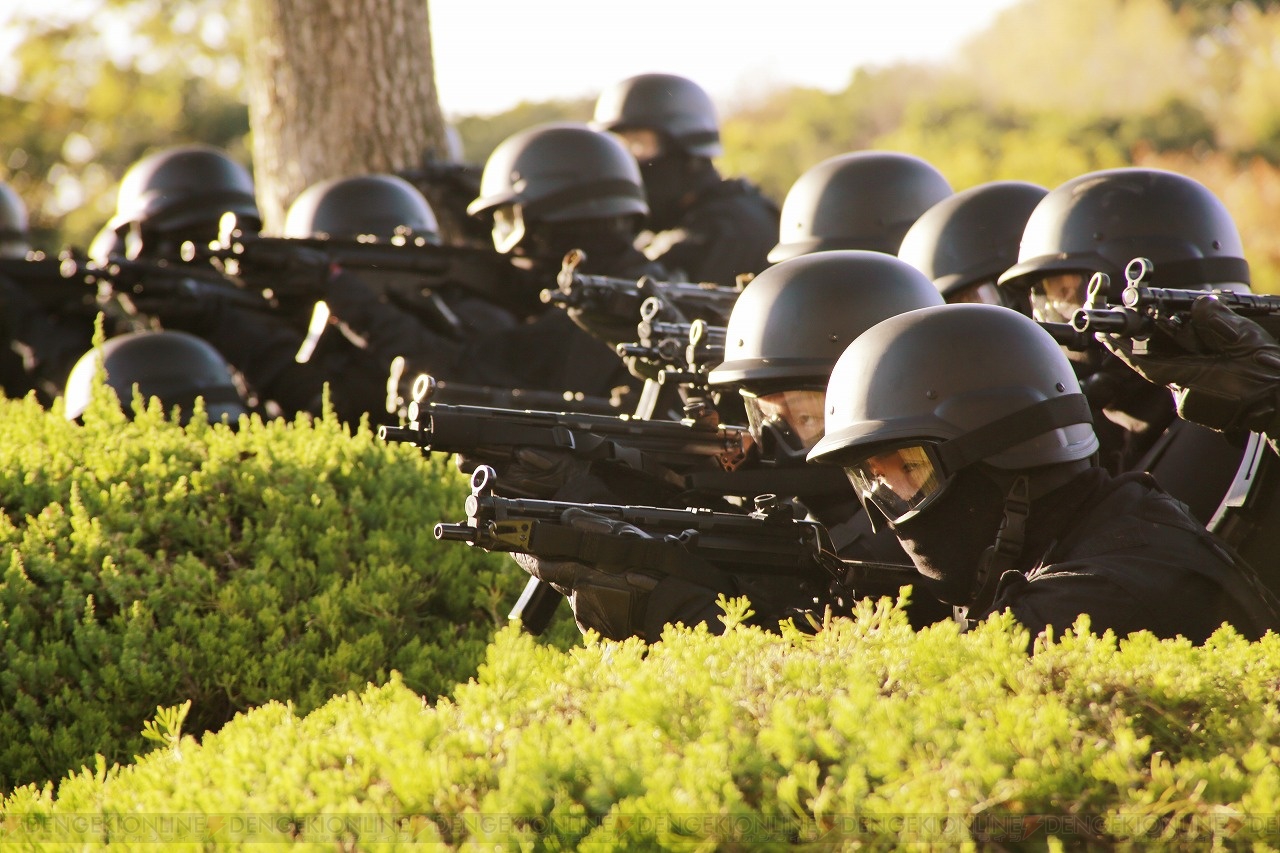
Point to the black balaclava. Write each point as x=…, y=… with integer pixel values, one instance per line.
x=946, y=541
x=671, y=182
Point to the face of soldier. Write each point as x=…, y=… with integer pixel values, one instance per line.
x=898, y=481
x=791, y=420
x=645, y=144
x=1056, y=298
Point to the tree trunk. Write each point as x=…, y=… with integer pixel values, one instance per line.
x=337, y=88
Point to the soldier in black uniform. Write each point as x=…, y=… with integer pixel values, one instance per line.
x=1097, y=223
x=179, y=194
x=494, y=333
x=44, y=322
x=435, y=324
x=783, y=338
x=547, y=190
x=965, y=427
x=967, y=240
x=864, y=200
x=784, y=335
x=706, y=227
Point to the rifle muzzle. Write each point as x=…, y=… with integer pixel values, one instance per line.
x=455, y=533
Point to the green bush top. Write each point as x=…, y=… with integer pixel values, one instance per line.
x=867, y=732
x=145, y=564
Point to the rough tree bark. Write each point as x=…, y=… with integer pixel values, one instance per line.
x=337, y=88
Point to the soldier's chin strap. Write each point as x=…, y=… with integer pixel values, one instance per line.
x=1002, y=556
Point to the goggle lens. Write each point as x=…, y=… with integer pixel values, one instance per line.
x=793, y=418
x=508, y=227
x=900, y=481
x=1056, y=298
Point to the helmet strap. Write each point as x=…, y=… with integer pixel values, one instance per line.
x=1002, y=556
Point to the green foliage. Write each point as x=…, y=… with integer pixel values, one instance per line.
x=481, y=134
x=145, y=564
x=867, y=733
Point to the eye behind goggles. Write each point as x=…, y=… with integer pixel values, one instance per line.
x=786, y=424
x=899, y=481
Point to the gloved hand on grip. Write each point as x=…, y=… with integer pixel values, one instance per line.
x=609, y=602
x=610, y=328
x=549, y=474
x=302, y=271
x=1225, y=372
x=533, y=472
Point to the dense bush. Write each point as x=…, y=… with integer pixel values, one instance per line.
x=867, y=732
x=144, y=565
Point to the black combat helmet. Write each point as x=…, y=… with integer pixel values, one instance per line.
x=14, y=241
x=793, y=321
x=972, y=400
x=381, y=206
x=949, y=371
x=676, y=107
x=560, y=172
x=174, y=366
x=863, y=200
x=967, y=240
x=184, y=187
x=1100, y=221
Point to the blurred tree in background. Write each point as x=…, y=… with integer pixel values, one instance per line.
x=1051, y=89
x=338, y=89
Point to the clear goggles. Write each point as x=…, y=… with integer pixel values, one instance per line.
x=899, y=481
x=643, y=143
x=787, y=423
x=1056, y=298
x=508, y=227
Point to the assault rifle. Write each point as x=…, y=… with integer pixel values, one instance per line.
x=664, y=450
x=623, y=297
x=422, y=387
x=697, y=545
x=119, y=281
x=500, y=278
x=1145, y=309
x=58, y=284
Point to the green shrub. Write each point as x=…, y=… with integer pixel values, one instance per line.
x=867, y=732
x=144, y=565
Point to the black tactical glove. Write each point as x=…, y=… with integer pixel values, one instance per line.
x=549, y=474
x=610, y=328
x=534, y=472
x=300, y=272
x=182, y=303
x=610, y=602
x=1224, y=369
